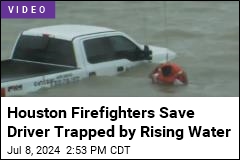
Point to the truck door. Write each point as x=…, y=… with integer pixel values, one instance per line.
x=111, y=55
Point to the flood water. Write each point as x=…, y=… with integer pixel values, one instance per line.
x=205, y=36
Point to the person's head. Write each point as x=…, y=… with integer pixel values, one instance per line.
x=166, y=70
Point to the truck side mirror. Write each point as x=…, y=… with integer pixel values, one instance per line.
x=147, y=53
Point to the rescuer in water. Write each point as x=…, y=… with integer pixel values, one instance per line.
x=169, y=73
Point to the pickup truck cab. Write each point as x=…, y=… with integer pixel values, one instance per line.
x=55, y=55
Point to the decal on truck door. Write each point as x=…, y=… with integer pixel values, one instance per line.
x=58, y=81
x=15, y=88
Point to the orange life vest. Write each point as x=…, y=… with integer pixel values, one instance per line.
x=3, y=92
x=173, y=76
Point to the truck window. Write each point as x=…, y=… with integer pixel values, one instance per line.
x=99, y=50
x=110, y=48
x=124, y=48
x=45, y=50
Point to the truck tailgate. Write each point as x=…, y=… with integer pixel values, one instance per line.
x=16, y=70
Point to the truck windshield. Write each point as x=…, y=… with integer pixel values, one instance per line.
x=45, y=50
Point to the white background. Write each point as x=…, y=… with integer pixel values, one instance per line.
x=222, y=113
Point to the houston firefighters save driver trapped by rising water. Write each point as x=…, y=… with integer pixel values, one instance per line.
x=169, y=73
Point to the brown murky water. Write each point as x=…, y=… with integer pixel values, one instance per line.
x=204, y=34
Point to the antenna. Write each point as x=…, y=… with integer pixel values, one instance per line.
x=165, y=28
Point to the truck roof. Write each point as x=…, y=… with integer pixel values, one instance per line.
x=67, y=32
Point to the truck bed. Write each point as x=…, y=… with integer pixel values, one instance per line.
x=12, y=70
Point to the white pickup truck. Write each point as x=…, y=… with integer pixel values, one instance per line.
x=56, y=55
